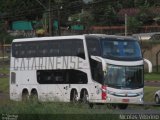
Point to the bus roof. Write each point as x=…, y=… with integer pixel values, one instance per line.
x=48, y=38
x=73, y=37
x=112, y=36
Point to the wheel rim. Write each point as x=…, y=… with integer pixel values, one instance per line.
x=25, y=96
x=74, y=99
x=34, y=96
x=85, y=97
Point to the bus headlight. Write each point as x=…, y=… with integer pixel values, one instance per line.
x=141, y=99
x=140, y=93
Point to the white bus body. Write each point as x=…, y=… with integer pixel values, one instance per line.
x=81, y=67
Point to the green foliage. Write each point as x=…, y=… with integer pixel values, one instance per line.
x=133, y=24
x=4, y=36
x=4, y=82
x=105, y=12
x=100, y=12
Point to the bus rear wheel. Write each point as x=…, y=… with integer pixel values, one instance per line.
x=84, y=96
x=34, y=95
x=74, y=96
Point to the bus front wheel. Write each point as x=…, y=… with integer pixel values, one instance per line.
x=122, y=106
x=157, y=99
x=84, y=96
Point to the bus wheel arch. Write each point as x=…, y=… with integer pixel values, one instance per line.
x=84, y=96
x=25, y=94
x=74, y=95
x=34, y=94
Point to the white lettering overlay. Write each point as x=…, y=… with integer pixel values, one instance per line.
x=47, y=63
x=139, y=117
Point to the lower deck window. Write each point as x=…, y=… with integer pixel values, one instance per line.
x=61, y=77
x=13, y=77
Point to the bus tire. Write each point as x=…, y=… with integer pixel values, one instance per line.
x=111, y=106
x=34, y=95
x=25, y=95
x=91, y=105
x=74, y=96
x=122, y=106
x=157, y=99
x=84, y=96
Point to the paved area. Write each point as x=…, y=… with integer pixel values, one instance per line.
x=152, y=83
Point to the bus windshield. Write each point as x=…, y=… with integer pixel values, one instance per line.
x=124, y=76
x=121, y=49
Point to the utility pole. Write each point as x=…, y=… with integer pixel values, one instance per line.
x=50, y=19
x=125, y=24
x=49, y=15
x=59, y=19
x=59, y=29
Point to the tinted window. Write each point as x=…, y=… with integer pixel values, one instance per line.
x=93, y=46
x=96, y=71
x=73, y=47
x=54, y=48
x=124, y=77
x=121, y=49
x=61, y=77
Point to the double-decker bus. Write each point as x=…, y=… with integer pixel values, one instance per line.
x=92, y=68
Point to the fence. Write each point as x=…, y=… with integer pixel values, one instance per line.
x=121, y=29
x=151, y=51
x=5, y=52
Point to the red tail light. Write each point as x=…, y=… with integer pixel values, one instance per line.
x=104, y=92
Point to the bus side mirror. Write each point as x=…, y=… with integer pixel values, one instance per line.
x=149, y=65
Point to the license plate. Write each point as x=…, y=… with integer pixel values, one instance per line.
x=125, y=100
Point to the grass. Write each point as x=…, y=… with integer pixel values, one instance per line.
x=4, y=85
x=35, y=110
x=4, y=66
x=4, y=69
x=149, y=93
x=33, y=107
x=152, y=76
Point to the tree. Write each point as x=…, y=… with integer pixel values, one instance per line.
x=133, y=24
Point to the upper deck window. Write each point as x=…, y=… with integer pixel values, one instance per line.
x=48, y=48
x=121, y=49
x=93, y=46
